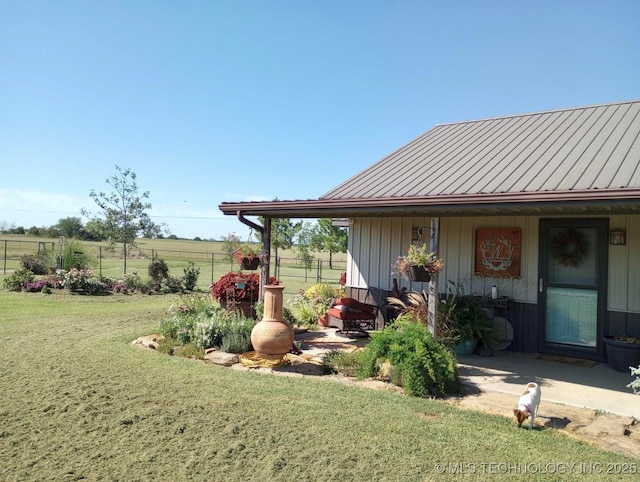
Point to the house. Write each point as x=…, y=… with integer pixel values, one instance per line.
x=543, y=206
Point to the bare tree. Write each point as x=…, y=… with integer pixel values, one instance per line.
x=124, y=211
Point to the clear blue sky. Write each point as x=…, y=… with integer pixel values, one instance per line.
x=233, y=100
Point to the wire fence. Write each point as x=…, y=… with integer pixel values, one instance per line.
x=108, y=262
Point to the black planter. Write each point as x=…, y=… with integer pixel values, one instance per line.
x=250, y=263
x=418, y=273
x=621, y=355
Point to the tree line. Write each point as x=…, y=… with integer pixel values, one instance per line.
x=123, y=217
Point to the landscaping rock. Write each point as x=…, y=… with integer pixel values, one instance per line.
x=149, y=341
x=221, y=358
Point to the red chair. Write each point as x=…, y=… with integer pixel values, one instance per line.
x=349, y=314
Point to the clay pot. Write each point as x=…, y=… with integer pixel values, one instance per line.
x=272, y=337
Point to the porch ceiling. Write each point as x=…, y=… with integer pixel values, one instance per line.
x=587, y=202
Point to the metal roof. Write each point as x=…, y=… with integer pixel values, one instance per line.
x=584, y=159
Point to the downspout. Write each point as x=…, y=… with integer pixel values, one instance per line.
x=265, y=236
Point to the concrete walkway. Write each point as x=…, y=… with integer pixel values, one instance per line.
x=598, y=387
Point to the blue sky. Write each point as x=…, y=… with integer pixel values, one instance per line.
x=233, y=100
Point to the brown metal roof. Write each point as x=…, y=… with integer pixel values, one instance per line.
x=576, y=160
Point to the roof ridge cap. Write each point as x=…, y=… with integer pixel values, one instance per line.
x=549, y=111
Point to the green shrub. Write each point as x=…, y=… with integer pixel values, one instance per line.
x=166, y=345
x=422, y=365
x=208, y=334
x=344, y=362
x=172, y=284
x=190, y=278
x=302, y=311
x=226, y=328
x=189, y=351
x=18, y=279
x=158, y=271
x=236, y=341
x=132, y=281
x=37, y=264
x=198, y=319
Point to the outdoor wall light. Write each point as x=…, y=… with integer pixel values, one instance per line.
x=617, y=237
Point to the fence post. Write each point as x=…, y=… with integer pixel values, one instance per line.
x=319, y=271
x=212, y=265
x=100, y=259
x=4, y=269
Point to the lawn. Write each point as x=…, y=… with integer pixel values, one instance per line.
x=80, y=402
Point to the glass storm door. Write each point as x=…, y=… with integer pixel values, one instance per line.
x=572, y=286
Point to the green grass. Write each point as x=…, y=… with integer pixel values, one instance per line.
x=79, y=402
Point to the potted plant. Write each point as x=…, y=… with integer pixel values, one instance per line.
x=249, y=256
x=418, y=265
x=623, y=351
x=321, y=297
x=235, y=290
x=468, y=323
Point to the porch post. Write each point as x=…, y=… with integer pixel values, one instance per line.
x=433, y=284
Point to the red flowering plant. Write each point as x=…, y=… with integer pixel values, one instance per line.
x=246, y=286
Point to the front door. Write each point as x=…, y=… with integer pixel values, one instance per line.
x=572, y=285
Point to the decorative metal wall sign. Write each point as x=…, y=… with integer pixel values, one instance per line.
x=497, y=252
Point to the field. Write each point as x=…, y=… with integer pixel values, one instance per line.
x=208, y=256
x=80, y=402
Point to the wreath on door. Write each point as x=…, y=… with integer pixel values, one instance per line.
x=570, y=248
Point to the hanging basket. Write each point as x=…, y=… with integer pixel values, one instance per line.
x=418, y=273
x=250, y=263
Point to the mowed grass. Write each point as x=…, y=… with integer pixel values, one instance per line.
x=80, y=402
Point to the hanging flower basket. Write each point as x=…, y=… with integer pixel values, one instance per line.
x=248, y=256
x=418, y=265
x=250, y=263
x=418, y=273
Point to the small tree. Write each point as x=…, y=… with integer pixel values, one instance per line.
x=327, y=237
x=303, y=247
x=124, y=211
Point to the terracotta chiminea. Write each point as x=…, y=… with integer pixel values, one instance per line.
x=272, y=337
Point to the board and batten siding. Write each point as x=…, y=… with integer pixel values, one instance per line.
x=457, y=237
x=624, y=266
x=374, y=244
